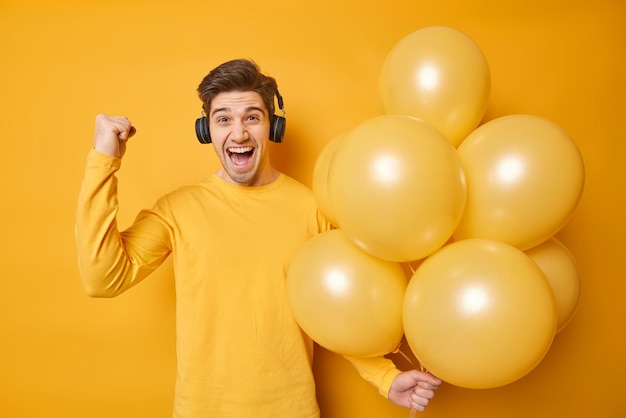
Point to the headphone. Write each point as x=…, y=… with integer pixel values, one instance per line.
x=277, y=128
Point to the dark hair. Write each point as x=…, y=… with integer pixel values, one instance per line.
x=237, y=75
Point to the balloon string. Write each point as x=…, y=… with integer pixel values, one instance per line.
x=412, y=268
x=412, y=411
x=397, y=350
x=407, y=358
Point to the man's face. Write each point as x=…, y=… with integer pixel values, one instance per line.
x=239, y=125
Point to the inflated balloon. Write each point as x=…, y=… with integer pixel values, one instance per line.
x=479, y=314
x=561, y=270
x=440, y=75
x=320, y=178
x=396, y=187
x=525, y=177
x=345, y=299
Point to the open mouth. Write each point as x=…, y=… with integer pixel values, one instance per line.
x=240, y=156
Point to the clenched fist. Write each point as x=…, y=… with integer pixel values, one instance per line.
x=111, y=134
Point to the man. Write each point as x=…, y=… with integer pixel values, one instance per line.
x=231, y=236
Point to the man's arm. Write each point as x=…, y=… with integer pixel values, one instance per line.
x=407, y=389
x=109, y=261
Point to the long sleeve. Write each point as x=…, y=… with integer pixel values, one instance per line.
x=111, y=262
x=379, y=371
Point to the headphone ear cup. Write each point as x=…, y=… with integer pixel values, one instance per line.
x=277, y=130
x=202, y=130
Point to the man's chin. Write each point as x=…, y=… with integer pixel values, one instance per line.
x=241, y=177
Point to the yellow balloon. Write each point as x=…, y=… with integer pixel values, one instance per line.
x=525, y=177
x=345, y=299
x=397, y=187
x=479, y=314
x=320, y=178
x=440, y=75
x=561, y=270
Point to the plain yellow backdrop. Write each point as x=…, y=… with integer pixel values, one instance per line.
x=64, y=355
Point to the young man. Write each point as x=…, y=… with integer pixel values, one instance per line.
x=231, y=236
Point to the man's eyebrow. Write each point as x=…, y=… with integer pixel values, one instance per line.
x=248, y=109
x=219, y=109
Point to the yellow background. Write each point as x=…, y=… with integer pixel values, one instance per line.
x=65, y=355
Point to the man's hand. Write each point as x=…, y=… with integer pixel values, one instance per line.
x=413, y=389
x=111, y=135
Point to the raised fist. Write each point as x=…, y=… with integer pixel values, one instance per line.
x=111, y=134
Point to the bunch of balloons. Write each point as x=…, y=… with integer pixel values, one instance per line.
x=477, y=205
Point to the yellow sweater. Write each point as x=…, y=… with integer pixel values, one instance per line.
x=240, y=351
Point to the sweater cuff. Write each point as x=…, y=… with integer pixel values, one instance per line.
x=97, y=159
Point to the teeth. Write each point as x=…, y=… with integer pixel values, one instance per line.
x=240, y=150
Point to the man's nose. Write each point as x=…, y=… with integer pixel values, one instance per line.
x=239, y=131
